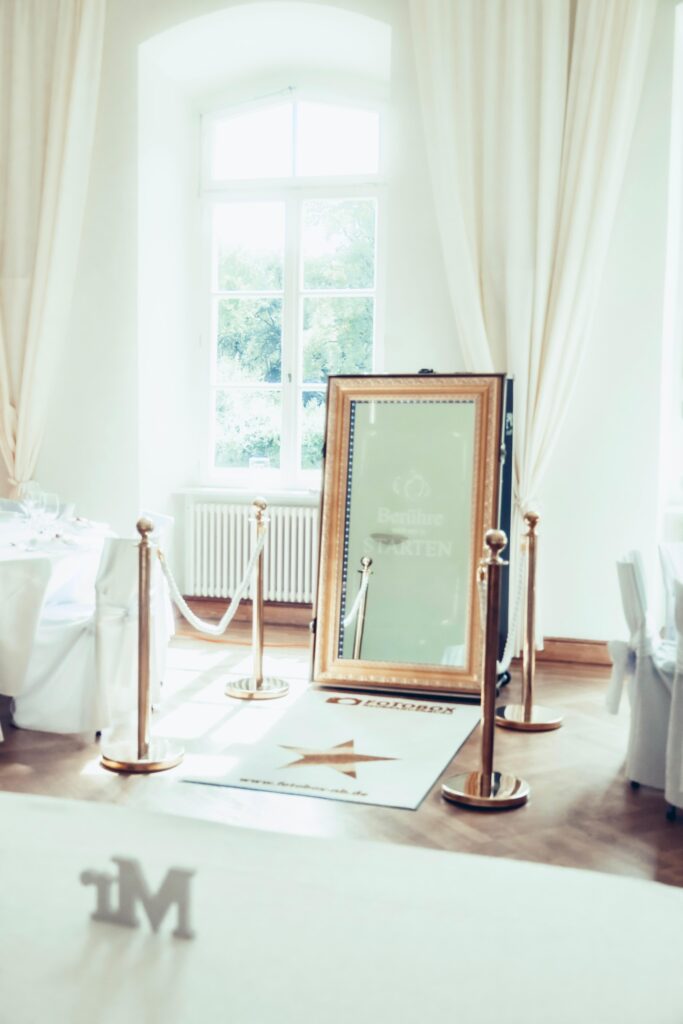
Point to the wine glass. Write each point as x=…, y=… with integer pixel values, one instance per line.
x=31, y=500
x=50, y=510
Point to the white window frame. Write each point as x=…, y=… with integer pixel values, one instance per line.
x=293, y=192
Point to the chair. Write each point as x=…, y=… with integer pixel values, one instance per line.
x=648, y=666
x=22, y=590
x=162, y=535
x=23, y=583
x=116, y=626
x=82, y=673
x=163, y=526
x=60, y=692
x=673, y=790
x=671, y=561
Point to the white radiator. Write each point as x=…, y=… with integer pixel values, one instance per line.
x=220, y=539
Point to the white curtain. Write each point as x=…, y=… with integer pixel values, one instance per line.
x=529, y=108
x=50, y=58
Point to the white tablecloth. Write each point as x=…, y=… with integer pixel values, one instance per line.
x=298, y=930
x=74, y=556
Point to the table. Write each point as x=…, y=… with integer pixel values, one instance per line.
x=298, y=930
x=73, y=549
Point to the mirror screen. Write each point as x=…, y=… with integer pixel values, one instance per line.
x=409, y=508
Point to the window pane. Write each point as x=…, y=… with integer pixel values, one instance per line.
x=257, y=144
x=312, y=428
x=339, y=243
x=337, y=337
x=336, y=140
x=248, y=427
x=249, y=341
x=248, y=246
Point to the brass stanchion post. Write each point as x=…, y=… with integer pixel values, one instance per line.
x=365, y=574
x=486, y=788
x=144, y=593
x=142, y=754
x=256, y=687
x=527, y=716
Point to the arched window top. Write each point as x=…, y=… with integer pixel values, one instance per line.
x=207, y=54
x=294, y=139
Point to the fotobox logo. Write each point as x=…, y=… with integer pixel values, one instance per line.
x=392, y=705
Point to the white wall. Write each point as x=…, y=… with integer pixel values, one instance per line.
x=102, y=446
x=168, y=332
x=419, y=327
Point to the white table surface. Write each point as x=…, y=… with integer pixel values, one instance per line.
x=73, y=549
x=299, y=930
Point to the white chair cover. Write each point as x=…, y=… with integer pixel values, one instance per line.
x=165, y=629
x=82, y=674
x=24, y=583
x=671, y=561
x=163, y=526
x=61, y=693
x=648, y=667
x=117, y=626
x=674, y=747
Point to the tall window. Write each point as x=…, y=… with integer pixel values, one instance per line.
x=292, y=192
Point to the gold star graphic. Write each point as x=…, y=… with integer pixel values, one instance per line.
x=338, y=757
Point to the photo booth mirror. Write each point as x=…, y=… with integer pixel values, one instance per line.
x=411, y=482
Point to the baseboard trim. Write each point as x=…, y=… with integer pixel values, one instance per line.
x=275, y=613
x=570, y=651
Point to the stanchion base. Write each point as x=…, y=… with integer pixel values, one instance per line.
x=121, y=756
x=511, y=716
x=505, y=791
x=249, y=689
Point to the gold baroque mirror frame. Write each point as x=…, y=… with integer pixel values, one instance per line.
x=411, y=482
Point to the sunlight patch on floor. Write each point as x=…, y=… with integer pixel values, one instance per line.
x=195, y=709
x=208, y=766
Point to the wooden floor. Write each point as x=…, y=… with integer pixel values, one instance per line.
x=581, y=813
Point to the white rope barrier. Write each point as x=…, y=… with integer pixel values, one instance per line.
x=213, y=628
x=513, y=621
x=353, y=613
x=218, y=628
